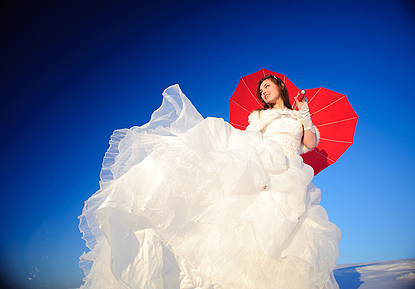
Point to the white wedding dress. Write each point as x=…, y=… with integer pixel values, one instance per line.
x=187, y=202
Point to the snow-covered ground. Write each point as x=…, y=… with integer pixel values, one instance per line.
x=395, y=274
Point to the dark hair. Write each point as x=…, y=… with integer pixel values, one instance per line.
x=282, y=89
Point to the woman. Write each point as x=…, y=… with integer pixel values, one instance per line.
x=187, y=202
x=273, y=93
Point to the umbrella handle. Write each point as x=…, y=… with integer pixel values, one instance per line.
x=302, y=94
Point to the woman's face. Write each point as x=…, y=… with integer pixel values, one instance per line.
x=269, y=92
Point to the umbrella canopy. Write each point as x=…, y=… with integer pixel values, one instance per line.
x=330, y=112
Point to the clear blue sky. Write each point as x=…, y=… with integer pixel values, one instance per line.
x=73, y=72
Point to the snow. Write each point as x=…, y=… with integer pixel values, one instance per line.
x=395, y=274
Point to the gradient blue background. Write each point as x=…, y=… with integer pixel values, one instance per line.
x=73, y=72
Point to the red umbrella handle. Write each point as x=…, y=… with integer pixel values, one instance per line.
x=300, y=97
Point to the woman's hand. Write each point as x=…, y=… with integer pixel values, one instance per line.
x=300, y=103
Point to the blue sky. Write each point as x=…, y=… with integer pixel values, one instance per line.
x=73, y=72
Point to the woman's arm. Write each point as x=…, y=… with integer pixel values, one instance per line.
x=309, y=139
x=309, y=135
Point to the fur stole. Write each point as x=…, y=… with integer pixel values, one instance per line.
x=260, y=119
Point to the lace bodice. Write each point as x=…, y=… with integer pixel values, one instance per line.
x=287, y=132
x=282, y=126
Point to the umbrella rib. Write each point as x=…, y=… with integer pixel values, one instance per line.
x=240, y=106
x=250, y=92
x=334, y=122
x=235, y=124
x=333, y=140
x=328, y=105
x=324, y=156
x=314, y=95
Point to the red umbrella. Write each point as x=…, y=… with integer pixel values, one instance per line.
x=330, y=112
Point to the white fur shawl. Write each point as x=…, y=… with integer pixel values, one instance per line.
x=260, y=119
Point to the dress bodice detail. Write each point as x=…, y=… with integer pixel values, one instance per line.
x=282, y=126
x=287, y=132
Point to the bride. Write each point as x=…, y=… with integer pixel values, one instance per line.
x=187, y=202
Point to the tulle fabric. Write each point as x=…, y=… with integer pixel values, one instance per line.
x=187, y=202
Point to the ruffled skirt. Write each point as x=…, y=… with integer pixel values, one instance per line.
x=187, y=202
